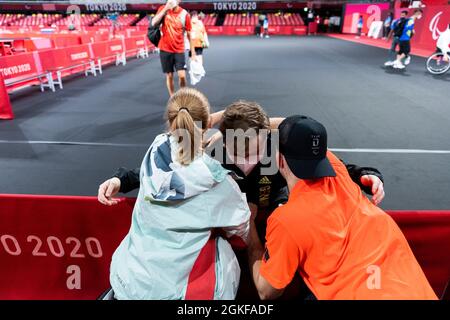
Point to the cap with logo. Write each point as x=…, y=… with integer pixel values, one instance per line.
x=303, y=143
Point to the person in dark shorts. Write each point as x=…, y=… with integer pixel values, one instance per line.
x=404, y=48
x=403, y=57
x=395, y=33
x=198, y=51
x=175, y=21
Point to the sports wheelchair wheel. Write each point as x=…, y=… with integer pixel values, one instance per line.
x=436, y=64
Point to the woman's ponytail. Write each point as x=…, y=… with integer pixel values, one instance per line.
x=188, y=114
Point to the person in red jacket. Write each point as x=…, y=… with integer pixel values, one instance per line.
x=175, y=21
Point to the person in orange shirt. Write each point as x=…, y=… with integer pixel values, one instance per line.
x=175, y=21
x=198, y=36
x=342, y=245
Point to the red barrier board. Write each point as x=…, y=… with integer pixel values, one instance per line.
x=138, y=33
x=55, y=59
x=243, y=31
x=300, y=31
x=61, y=247
x=312, y=27
x=250, y=30
x=61, y=250
x=134, y=44
x=38, y=44
x=86, y=38
x=107, y=50
x=5, y=105
x=77, y=55
x=214, y=31
x=48, y=58
x=288, y=30
x=131, y=45
x=115, y=47
x=100, y=49
x=16, y=67
x=428, y=234
x=61, y=41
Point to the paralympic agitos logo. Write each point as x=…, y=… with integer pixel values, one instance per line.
x=435, y=32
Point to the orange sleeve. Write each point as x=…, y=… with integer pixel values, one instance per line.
x=281, y=257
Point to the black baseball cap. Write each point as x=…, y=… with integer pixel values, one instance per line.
x=303, y=143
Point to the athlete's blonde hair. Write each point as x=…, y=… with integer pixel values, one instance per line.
x=188, y=116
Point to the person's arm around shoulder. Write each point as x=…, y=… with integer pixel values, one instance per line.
x=129, y=179
x=370, y=180
x=124, y=180
x=215, y=118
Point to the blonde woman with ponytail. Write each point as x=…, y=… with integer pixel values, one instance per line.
x=187, y=212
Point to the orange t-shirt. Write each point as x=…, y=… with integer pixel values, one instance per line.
x=343, y=246
x=172, y=30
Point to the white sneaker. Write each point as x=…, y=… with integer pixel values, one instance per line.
x=389, y=63
x=398, y=65
x=407, y=60
x=267, y=37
